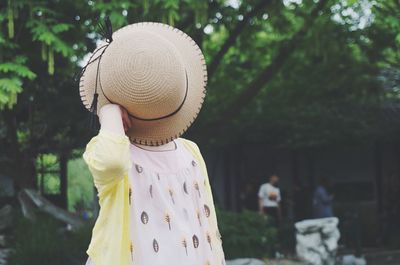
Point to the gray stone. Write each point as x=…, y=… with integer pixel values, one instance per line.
x=245, y=261
x=3, y=241
x=6, y=186
x=31, y=200
x=352, y=260
x=4, y=254
x=317, y=240
x=5, y=217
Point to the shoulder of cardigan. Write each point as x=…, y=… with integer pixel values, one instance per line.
x=194, y=149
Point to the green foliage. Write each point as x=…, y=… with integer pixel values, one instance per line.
x=80, y=182
x=47, y=165
x=246, y=234
x=80, y=185
x=10, y=17
x=172, y=7
x=48, y=31
x=45, y=242
x=44, y=26
x=49, y=35
x=11, y=82
x=9, y=89
x=328, y=89
x=18, y=68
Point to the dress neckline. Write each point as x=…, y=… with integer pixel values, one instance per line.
x=161, y=152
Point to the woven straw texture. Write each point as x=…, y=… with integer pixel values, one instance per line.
x=150, y=69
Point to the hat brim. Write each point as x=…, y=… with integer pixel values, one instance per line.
x=158, y=132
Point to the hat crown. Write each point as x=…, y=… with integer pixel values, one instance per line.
x=162, y=86
x=143, y=72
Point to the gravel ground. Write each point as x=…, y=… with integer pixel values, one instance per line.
x=383, y=258
x=377, y=258
x=284, y=262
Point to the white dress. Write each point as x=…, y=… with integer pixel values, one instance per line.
x=169, y=211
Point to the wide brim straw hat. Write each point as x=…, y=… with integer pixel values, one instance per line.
x=156, y=72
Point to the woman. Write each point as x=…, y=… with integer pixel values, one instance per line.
x=156, y=205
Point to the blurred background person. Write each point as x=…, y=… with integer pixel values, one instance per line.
x=248, y=197
x=269, y=198
x=323, y=199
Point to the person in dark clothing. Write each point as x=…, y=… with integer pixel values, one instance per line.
x=248, y=197
x=323, y=199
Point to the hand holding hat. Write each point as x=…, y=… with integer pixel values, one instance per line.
x=114, y=118
x=156, y=73
x=125, y=119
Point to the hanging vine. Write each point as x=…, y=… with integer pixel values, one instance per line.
x=50, y=61
x=10, y=17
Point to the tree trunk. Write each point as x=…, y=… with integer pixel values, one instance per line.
x=64, y=179
x=378, y=176
x=22, y=165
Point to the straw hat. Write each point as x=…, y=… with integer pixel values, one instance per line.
x=156, y=72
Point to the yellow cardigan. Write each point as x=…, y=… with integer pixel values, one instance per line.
x=108, y=158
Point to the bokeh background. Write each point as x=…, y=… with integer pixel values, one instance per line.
x=299, y=88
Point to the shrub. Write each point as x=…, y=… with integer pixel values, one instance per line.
x=246, y=234
x=44, y=242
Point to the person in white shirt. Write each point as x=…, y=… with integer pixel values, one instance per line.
x=269, y=197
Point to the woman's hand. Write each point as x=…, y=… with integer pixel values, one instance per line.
x=115, y=118
x=125, y=119
x=110, y=117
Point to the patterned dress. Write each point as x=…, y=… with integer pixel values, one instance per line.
x=169, y=210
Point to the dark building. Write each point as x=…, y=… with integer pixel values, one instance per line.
x=366, y=181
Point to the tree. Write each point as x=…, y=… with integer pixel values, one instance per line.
x=295, y=73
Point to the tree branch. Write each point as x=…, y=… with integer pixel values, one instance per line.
x=267, y=74
x=230, y=41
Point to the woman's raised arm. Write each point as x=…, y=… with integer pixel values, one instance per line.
x=108, y=154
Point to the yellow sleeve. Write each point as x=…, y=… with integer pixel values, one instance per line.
x=108, y=157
